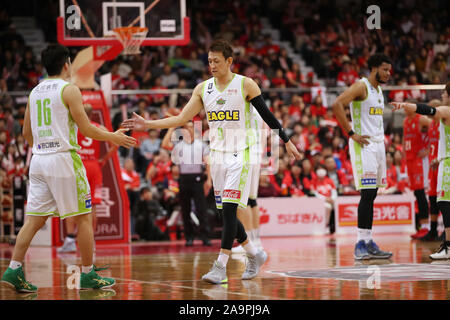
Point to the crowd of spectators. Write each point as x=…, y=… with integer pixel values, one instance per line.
x=332, y=39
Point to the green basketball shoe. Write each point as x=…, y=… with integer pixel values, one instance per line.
x=92, y=280
x=16, y=278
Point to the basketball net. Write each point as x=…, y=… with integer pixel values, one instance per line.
x=131, y=38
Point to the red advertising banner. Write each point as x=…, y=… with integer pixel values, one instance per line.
x=113, y=213
x=391, y=213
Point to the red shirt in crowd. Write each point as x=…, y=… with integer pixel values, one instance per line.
x=323, y=186
x=131, y=179
x=433, y=139
x=347, y=78
x=162, y=170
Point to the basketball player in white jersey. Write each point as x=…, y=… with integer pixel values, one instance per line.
x=442, y=114
x=227, y=100
x=367, y=151
x=58, y=183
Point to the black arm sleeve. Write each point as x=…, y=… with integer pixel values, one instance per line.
x=425, y=109
x=268, y=117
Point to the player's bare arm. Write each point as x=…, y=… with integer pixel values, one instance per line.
x=357, y=91
x=26, y=131
x=192, y=108
x=253, y=94
x=72, y=96
x=166, y=142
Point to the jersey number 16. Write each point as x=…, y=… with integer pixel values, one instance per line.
x=44, y=109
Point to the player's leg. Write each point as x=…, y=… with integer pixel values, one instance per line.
x=444, y=250
x=415, y=172
x=381, y=182
x=14, y=275
x=369, y=171
x=244, y=217
x=253, y=206
x=40, y=205
x=69, y=244
x=73, y=198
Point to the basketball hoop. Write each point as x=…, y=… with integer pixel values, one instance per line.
x=130, y=38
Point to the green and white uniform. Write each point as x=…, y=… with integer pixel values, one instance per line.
x=230, y=135
x=443, y=182
x=368, y=162
x=58, y=182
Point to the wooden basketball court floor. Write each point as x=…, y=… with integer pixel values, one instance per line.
x=310, y=268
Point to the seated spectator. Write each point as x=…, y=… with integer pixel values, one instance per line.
x=296, y=108
x=169, y=79
x=338, y=176
x=317, y=108
x=307, y=175
x=415, y=94
x=294, y=76
x=281, y=189
x=397, y=172
x=159, y=169
x=145, y=213
x=149, y=147
x=325, y=189
x=347, y=76
x=278, y=79
x=266, y=188
x=294, y=181
x=131, y=180
x=309, y=84
x=399, y=95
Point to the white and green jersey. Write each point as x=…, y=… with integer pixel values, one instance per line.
x=443, y=182
x=52, y=125
x=229, y=115
x=367, y=114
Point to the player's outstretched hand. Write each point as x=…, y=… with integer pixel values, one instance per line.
x=135, y=123
x=362, y=140
x=292, y=150
x=403, y=105
x=121, y=139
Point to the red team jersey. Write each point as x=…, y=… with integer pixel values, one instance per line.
x=90, y=148
x=433, y=136
x=90, y=155
x=412, y=137
x=413, y=143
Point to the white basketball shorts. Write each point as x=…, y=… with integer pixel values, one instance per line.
x=231, y=173
x=368, y=164
x=58, y=186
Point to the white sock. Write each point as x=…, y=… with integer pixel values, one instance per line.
x=15, y=264
x=251, y=235
x=223, y=259
x=250, y=248
x=425, y=226
x=87, y=269
x=364, y=234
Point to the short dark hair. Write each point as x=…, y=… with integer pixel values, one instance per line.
x=222, y=46
x=54, y=57
x=377, y=59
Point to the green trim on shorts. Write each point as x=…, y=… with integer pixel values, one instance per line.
x=76, y=213
x=358, y=166
x=82, y=184
x=356, y=116
x=40, y=213
x=243, y=180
